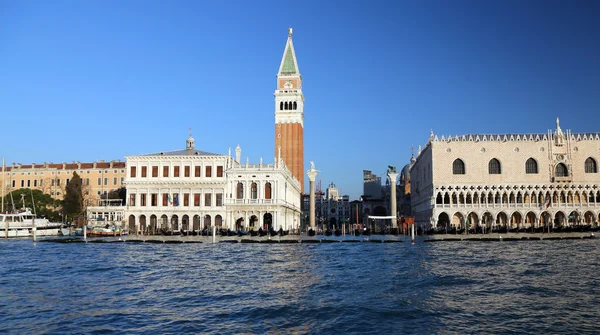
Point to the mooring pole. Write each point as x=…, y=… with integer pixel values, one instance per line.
x=34, y=230
x=412, y=234
x=214, y=233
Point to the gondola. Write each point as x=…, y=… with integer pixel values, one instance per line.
x=311, y=232
x=338, y=232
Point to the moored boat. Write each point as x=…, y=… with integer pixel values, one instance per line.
x=21, y=224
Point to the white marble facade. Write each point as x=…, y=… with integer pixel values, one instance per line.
x=510, y=180
x=192, y=190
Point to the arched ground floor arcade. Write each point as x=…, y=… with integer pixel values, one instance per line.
x=150, y=223
x=499, y=220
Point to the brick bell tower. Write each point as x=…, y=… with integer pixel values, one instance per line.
x=289, y=113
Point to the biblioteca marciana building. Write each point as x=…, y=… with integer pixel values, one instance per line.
x=515, y=181
x=193, y=190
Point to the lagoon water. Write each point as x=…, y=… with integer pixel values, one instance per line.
x=542, y=287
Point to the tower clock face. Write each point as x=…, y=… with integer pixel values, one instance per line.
x=288, y=84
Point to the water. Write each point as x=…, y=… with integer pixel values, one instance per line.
x=429, y=288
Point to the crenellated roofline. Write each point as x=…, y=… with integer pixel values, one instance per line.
x=513, y=137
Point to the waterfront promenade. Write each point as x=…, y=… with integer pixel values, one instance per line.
x=291, y=239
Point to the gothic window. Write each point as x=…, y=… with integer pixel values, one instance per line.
x=240, y=191
x=531, y=166
x=561, y=170
x=268, y=191
x=494, y=166
x=458, y=167
x=590, y=165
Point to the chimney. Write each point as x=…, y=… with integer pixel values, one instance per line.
x=79, y=165
x=95, y=165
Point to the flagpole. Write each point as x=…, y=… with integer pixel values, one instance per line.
x=4, y=185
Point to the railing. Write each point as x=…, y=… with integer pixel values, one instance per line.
x=517, y=205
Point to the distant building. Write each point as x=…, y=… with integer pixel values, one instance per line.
x=507, y=180
x=371, y=186
x=97, y=178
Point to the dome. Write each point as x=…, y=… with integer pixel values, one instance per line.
x=405, y=174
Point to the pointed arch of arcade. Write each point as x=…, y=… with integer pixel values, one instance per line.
x=560, y=219
x=573, y=218
x=473, y=221
x=545, y=218
x=502, y=219
x=516, y=220
x=589, y=218
x=443, y=220
x=530, y=219
x=487, y=220
x=196, y=223
x=458, y=220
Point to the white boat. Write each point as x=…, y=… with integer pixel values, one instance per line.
x=21, y=225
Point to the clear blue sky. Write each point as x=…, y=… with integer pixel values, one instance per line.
x=92, y=80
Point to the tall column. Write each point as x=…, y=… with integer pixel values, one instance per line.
x=312, y=174
x=393, y=175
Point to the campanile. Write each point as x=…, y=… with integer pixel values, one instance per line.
x=289, y=113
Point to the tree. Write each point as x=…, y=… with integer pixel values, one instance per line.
x=73, y=200
x=45, y=205
x=120, y=193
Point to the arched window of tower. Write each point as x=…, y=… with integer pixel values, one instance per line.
x=286, y=105
x=295, y=105
x=281, y=106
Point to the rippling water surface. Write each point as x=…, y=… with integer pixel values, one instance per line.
x=544, y=287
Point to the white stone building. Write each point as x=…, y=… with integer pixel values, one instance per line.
x=192, y=190
x=521, y=181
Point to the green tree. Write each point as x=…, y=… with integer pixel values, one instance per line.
x=73, y=200
x=120, y=193
x=40, y=203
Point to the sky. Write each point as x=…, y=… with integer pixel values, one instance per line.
x=102, y=80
